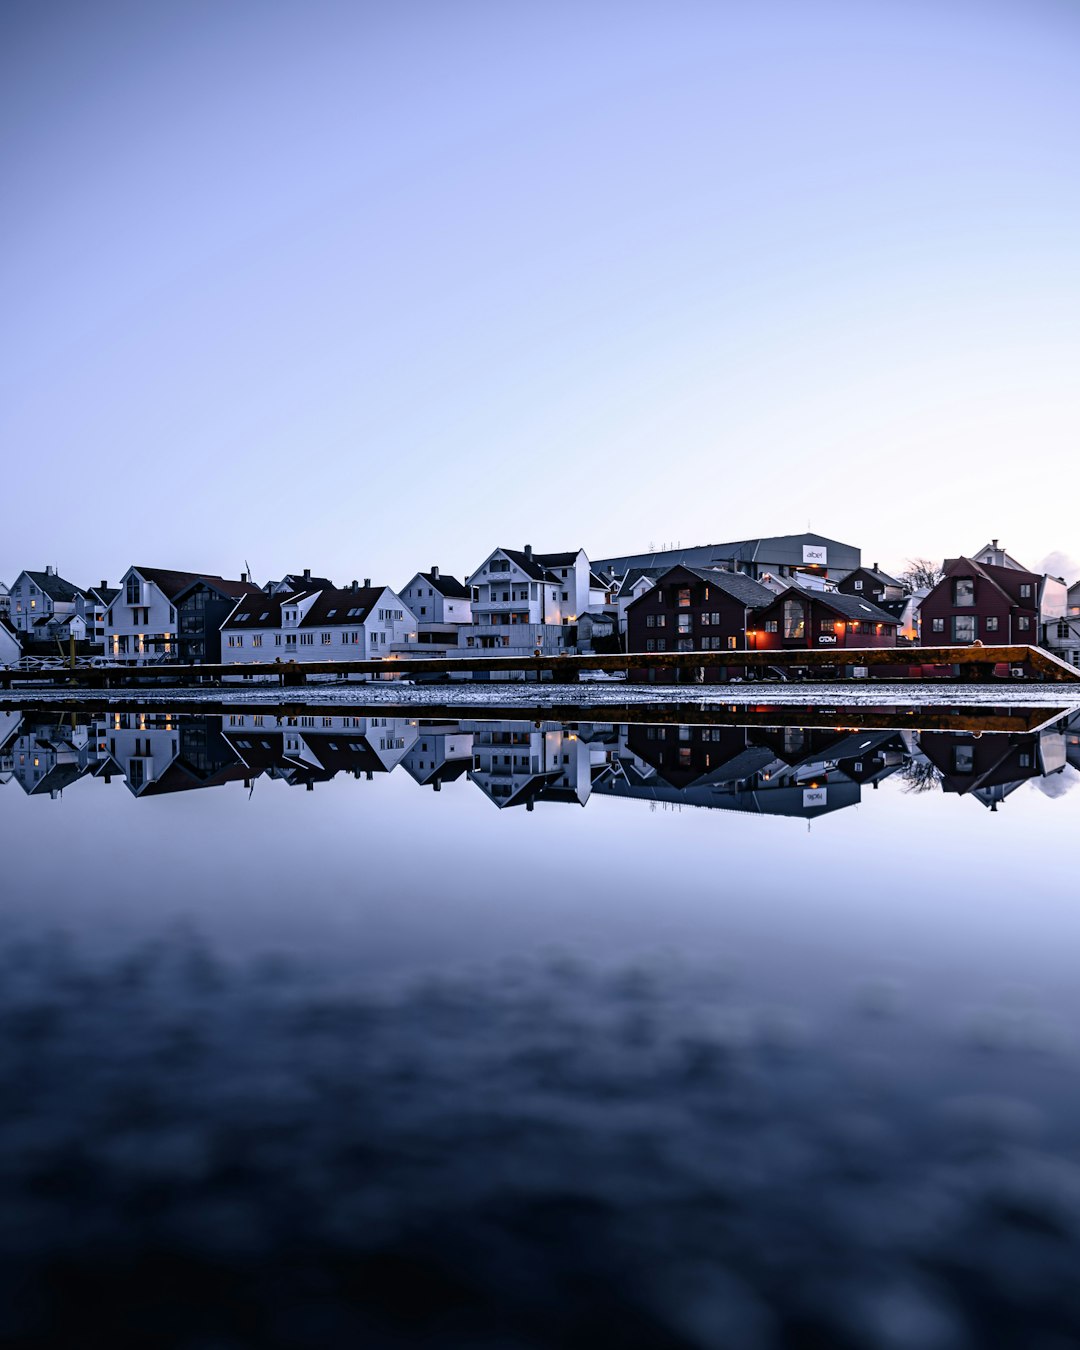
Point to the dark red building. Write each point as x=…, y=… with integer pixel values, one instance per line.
x=802, y=618
x=981, y=602
x=694, y=610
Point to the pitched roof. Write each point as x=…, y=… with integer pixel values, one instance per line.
x=303, y=583
x=529, y=566
x=850, y=606
x=741, y=588
x=882, y=578
x=55, y=587
x=449, y=587
x=556, y=559
x=171, y=583
x=106, y=594
x=345, y=606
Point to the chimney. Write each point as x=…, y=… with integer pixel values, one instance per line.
x=528, y=552
x=994, y=544
x=874, y=568
x=104, y=584
x=367, y=583
x=50, y=571
x=434, y=574
x=243, y=576
x=354, y=588
x=307, y=573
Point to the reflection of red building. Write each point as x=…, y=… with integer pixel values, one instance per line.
x=820, y=619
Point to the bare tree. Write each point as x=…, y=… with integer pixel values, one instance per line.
x=922, y=572
x=920, y=775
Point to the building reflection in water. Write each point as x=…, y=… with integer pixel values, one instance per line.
x=782, y=769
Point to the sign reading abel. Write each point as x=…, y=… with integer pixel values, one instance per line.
x=816, y=555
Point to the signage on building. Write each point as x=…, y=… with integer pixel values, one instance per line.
x=828, y=639
x=815, y=797
x=816, y=555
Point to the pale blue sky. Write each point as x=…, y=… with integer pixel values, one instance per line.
x=367, y=288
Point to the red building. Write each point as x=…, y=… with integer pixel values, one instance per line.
x=981, y=602
x=694, y=609
x=799, y=618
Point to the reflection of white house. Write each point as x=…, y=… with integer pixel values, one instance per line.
x=48, y=756
x=141, y=746
x=519, y=764
x=356, y=623
x=41, y=595
x=306, y=748
x=440, y=753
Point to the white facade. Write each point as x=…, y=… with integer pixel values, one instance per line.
x=429, y=605
x=141, y=621
x=517, y=605
x=327, y=625
x=10, y=648
x=40, y=595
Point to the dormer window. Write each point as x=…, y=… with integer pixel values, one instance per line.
x=134, y=591
x=963, y=591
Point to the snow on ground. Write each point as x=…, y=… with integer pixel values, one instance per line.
x=531, y=696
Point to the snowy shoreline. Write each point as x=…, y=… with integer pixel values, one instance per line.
x=532, y=696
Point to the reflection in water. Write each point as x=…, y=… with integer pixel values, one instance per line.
x=777, y=1088
x=784, y=769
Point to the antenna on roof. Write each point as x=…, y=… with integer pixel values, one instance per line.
x=248, y=566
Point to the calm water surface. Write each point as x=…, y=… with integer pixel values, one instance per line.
x=342, y=1029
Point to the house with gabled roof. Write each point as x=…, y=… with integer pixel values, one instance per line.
x=694, y=609
x=142, y=621
x=981, y=602
x=821, y=619
x=355, y=623
x=441, y=605
x=517, y=603
x=41, y=595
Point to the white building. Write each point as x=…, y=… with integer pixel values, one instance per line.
x=441, y=605
x=91, y=605
x=141, y=620
x=41, y=595
x=356, y=623
x=10, y=646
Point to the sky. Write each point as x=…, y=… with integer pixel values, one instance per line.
x=366, y=288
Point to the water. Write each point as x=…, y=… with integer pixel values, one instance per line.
x=638, y=1033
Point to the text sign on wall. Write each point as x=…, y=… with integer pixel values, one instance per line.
x=827, y=638
x=815, y=797
x=815, y=554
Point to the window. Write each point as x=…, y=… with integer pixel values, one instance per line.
x=963, y=591
x=731, y=642
x=650, y=621
x=965, y=628
x=661, y=621
x=277, y=639
x=964, y=759
x=794, y=619
x=1025, y=590
x=650, y=644
x=682, y=596
x=1023, y=623
x=686, y=644
x=684, y=621
x=256, y=639
x=133, y=594
x=661, y=644
x=772, y=626
x=326, y=639
x=937, y=625
x=858, y=585
x=991, y=623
